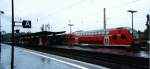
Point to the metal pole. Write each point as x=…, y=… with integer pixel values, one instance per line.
x=0, y=36
x=12, y=47
x=1, y=12
x=105, y=21
x=132, y=11
x=70, y=25
x=132, y=26
x=70, y=29
x=148, y=19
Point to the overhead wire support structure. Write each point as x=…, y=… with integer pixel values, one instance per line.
x=105, y=20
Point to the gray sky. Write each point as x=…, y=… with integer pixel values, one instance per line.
x=84, y=14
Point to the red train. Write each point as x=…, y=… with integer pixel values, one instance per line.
x=111, y=37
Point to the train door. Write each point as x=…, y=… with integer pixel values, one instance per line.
x=106, y=40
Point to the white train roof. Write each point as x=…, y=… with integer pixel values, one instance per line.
x=106, y=29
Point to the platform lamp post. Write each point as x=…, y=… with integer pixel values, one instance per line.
x=132, y=11
x=1, y=12
x=70, y=26
x=70, y=44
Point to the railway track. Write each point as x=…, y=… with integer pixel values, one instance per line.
x=107, y=60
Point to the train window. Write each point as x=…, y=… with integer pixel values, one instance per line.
x=107, y=32
x=91, y=33
x=103, y=33
x=114, y=37
x=123, y=36
x=96, y=33
x=88, y=33
x=77, y=33
x=100, y=33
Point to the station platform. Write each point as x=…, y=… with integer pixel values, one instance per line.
x=30, y=59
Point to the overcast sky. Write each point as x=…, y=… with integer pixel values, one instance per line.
x=84, y=14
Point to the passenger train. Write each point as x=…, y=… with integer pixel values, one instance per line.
x=110, y=37
x=121, y=36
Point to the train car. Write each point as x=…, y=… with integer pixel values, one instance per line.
x=121, y=36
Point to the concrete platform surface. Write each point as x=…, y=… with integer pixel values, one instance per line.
x=29, y=59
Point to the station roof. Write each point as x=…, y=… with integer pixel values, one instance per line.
x=39, y=34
